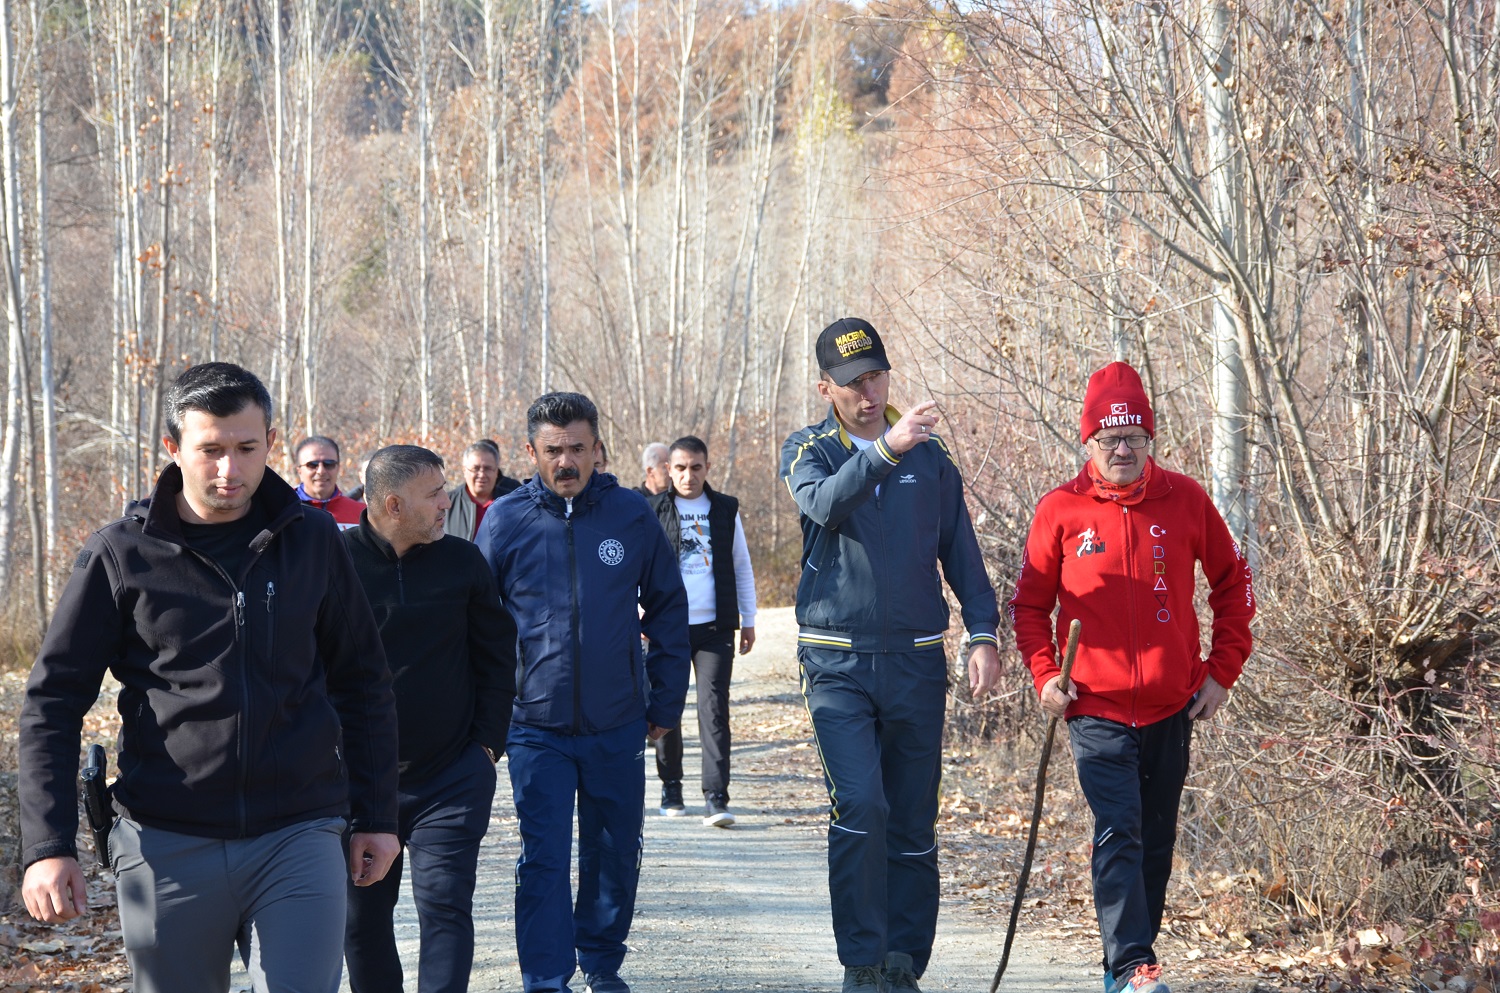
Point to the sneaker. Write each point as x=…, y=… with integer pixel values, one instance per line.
x=863, y=979
x=1145, y=979
x=671, y=800
x=716, y=810
x=605, y=982
x=898, y=975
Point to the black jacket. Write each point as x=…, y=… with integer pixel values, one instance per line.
x=451, y=646
x=248, y=703
x=722, y=511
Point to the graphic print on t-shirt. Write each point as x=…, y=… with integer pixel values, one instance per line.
x=697, y=555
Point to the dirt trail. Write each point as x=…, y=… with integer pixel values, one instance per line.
x=746, y=909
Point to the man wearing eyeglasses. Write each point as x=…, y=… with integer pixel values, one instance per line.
x=882, y=505
x=318, y=480
x=1117, y=548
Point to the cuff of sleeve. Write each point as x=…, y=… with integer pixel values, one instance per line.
x=747, y=621
x=48, y=850
x=364, y=825
x=983, y=638
x=1224, y=674
x=884, y=451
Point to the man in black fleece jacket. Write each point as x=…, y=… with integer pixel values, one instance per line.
x=256, y=714
x=452, y=652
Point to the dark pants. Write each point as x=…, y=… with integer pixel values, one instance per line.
x=605, y=772
x=1132, y=779
x=713, y=665
x=878, y=719
x=441, y=823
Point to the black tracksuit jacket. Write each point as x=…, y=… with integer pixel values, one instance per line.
x=450, y=644
x=249, y=703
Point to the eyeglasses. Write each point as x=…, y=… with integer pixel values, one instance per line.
x=1110, y=442
x=315, y=463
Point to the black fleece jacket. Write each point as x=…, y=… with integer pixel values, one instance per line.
x=450, y=644
x=249, y=703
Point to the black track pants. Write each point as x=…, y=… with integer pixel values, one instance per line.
x=878, y=719
x=1132, y=779
x=713, y=666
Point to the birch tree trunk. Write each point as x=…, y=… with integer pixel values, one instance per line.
x=308, y=12
x=424, y=330
x=15, y=311
x=164, y=244
x=44, y=325
x=1230, y=459
x=216, y=78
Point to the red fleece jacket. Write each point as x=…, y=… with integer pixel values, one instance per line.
x=1128, y=574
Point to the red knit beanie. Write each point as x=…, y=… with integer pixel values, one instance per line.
x=1116, y=399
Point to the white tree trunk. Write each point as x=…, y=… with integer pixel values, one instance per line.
x=10, y=202
x=308, y=12
x=165, y=182
x=44, y=321
x=1230, y=458
x=424, y=331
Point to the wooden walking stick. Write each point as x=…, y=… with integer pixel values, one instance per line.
x=1036, y=809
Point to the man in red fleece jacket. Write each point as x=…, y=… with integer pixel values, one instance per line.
x=1117, y=548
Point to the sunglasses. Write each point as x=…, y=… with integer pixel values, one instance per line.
x=325, y=463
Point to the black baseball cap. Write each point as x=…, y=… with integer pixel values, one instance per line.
x=848, y=348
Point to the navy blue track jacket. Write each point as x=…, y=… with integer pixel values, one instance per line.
x=572, y=577
x=875, y=526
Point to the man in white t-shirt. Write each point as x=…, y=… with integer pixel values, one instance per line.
x=704, y=527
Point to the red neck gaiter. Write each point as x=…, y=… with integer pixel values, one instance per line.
x=1127, y=495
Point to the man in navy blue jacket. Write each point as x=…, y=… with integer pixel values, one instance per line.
x=585, y=570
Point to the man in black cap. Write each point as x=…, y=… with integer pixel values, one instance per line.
x=882, y=506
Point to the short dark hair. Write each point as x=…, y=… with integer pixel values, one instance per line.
x=219, y=389
x=560, y=410
x=691, y=443
x=316, y=439
x=393, y=466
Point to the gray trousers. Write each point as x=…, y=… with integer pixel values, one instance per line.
x=185, y=902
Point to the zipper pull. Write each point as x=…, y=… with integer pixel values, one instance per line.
x=568, y=507
x=239, y=608
x=270, y=598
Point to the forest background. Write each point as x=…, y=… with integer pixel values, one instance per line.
x=411, y=217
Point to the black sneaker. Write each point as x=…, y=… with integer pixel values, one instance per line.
x=605, y=982
x=863, y=979
x=671, y=800
x=716, y=810
x=898, y=975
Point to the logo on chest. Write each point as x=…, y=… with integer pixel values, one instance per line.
x=1089, y=543
x=611, y=552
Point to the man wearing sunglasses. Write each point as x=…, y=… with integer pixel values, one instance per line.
x=1117, y=548
x=318, y=480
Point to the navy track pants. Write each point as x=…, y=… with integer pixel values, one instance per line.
x=878, y=719
x=1132, y=779
x=605, y=772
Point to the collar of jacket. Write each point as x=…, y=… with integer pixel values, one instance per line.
x=276, y=499
x=320, y=504
x=556, y=505
x=1159, y=485
x=367, y=533
x=892, y=415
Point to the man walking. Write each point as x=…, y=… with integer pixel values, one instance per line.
x=483, y=484
x=257, y=714
x=704, y=528
x=452, y=652
x=318, y=480
x=1117, y=547
x=584, y=568
x=882, y=507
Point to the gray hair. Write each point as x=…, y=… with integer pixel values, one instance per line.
x=485, y=447
x=394, y=466
x=654, y=453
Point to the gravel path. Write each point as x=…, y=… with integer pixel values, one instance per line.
x=745, y=909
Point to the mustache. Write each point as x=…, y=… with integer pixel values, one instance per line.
x=567, y=472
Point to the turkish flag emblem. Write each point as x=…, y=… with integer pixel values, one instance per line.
x=1119, y=408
